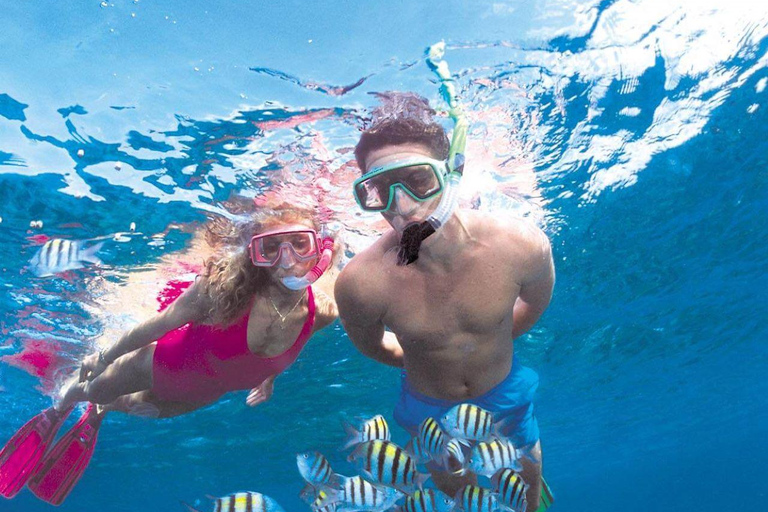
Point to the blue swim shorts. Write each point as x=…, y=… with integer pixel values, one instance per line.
x=510, y=400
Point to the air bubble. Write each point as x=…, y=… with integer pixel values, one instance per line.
x=81, y=153
x=104, y=4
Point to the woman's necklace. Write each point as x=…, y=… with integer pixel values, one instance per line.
x=284, y=316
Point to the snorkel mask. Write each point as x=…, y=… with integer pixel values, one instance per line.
x=300, y=245
x=421, y=178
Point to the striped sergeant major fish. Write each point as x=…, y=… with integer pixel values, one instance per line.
x=454, y=458
x=511, y=489
x=386, y=463
x=428, y=500
x=477, y=499
x=368, y=430
x=468, y=422
x=489, y=457
x=355, y=493
x=245, y=501
x=316, y=470
x=429, y=444
x=59, y=255
x=319, y=500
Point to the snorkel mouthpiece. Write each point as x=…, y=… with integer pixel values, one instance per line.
x=300, y=283
x=413, y=236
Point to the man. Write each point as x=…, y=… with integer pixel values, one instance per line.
x=449, y=318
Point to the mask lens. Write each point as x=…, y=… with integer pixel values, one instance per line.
x=266, y=250
x=421, y=180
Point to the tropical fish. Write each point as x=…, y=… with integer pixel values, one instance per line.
x=374, y=428
x=357, y=494
x=386, y=463
x=315, y=469
x=59, y=255
x=454, y=457
x=477, y=499
x=242, y=502
x=319, y=500
x=428, y=500
x=469, y=422
x=489, y=457
x=430, y=442
x=511, y=489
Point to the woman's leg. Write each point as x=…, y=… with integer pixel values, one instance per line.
x=127, y=374
x=145, y=404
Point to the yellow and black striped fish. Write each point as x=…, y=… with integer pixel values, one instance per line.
x=358, y=494
x=245, y=501
x=315, y=469
x=428, y=500
x=469, y=422
x=386, y=463
x=511, y=488
x=430, y=442
x=368, y=430
x=476, y=499
x=489, y=457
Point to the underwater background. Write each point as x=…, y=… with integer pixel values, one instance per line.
x=633, y=132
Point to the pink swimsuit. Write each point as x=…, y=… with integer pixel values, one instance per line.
x=198, y=363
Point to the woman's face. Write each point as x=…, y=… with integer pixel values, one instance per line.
x=288, y=264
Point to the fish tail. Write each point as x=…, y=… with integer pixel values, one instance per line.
x=89, y=254
x=353, y=436
x=189, y=507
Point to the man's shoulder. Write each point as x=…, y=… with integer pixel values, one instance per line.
x=506, y=229
x=361, y=275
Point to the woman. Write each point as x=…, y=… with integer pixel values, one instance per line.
x=238, y=326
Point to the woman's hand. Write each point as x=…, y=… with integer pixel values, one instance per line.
x=262, y=393
x=92, y=366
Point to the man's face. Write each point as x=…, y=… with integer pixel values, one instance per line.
x=404, y=210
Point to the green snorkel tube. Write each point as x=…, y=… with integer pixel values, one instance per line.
x=410, y=241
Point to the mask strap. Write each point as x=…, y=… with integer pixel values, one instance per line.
x=414, y=235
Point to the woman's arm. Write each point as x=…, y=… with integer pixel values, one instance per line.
x=188, y=307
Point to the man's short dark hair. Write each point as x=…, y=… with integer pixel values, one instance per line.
x=402, y=118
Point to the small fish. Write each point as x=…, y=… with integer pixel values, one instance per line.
x=430, y=442
x=468, y=422
x=242, y=502
x=489, y=457
x=454, y=457
x=315, y=469
x=428, y=500
x=511, y=489
x=477, y=499
x=59, y=255
x=357, y=494
x=386, y=463
x=374, y=428
x=319, y=500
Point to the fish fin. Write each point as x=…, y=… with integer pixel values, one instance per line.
x=307, y=493
x=189, y=507
x=463, y=442
x=89, y=254
x=211, y=497
x=359, y=451
x=353, y=436
x=420, y=479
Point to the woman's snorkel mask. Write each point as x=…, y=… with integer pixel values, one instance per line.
x=421, y=178
x=302, y=245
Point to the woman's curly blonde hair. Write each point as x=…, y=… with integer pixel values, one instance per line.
x=231, y=279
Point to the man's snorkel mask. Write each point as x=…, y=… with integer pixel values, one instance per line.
x=423, y=178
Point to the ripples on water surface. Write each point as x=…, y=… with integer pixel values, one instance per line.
x=634, y=132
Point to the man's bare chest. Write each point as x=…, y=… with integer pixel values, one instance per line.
x=477, y=302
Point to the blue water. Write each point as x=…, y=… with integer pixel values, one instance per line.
x=633, y=132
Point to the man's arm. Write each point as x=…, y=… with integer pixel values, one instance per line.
x=361, y=315
x=536, y=288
